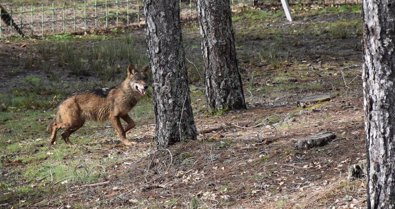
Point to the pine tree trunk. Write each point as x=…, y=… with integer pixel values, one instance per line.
x=224, y=89
x=172, y=104
x=379, y=100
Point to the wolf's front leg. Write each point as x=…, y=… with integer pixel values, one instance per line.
x=116, y=123
x=130, y=122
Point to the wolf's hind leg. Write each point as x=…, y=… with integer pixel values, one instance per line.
x=130, y=122
x=69, y=130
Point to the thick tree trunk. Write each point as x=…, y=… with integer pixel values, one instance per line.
x=173, y=111
x=379, y=100
x=224, y=89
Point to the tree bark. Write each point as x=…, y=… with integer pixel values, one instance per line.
x=224, y=88
x=172, y=104
x=379, y=100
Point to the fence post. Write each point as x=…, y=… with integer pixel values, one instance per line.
x=12, y=19
x=138, y=13
x=31, y=19
x=21, y=16
x=74, y=17
x=190, y=8
x=127, y=12
x=117, y=12
x=106, y=14
x=1, y=26
x=95, y=14
x=286, y=10
x=85, y=17
x=42, y=19
x=53, y=18
x=63, y=18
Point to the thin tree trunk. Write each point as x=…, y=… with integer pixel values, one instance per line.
x=379, y=100
x=224, y=88
x=173, y=112
x=8, y=20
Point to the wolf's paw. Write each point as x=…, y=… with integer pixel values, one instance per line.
x=128, y=143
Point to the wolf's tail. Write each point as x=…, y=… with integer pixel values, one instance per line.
x=50, y=125
x=53, y=123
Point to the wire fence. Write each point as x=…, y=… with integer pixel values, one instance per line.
x=80, y=16
x=85, y=16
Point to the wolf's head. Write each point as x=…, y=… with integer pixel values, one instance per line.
x=138, y=79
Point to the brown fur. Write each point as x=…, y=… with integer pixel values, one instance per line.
x=101, y=105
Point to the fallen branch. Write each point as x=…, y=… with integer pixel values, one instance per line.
x=151, y=187
x=153, y=163
x=93, y=185
x=212, y=130
x=247, y=127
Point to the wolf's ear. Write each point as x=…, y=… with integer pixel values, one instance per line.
x=131, y=69
x=146, y=70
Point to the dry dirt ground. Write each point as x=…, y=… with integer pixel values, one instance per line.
x=237, y=164
x=242, y=159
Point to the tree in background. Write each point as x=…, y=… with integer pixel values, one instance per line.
x=224, y=88
x=379, y=100
x=7, y=19
x=172, y=104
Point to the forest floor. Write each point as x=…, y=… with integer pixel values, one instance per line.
x=242, y=159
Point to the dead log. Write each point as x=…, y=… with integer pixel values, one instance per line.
x=309, y=100
x=7, y=19
x=316, y=140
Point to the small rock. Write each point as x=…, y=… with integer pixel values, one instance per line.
x=348, y=198
x=133, y=201
x=225, y=197
x=317, y=140
x=3, y=107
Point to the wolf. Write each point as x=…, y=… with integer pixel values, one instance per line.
x=101, y=105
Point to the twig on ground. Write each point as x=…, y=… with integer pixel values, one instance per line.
x=154, y=186
x=246, y=127
x=344, y=79
x=93, y=185
x=206, y=131
x=197, y=70
x=152, y=161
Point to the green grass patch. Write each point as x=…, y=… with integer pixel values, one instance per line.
x=56, y=171
x=13, y=148
x=62, y=37
x=34, y=158
x=29, y=122
x=195, y=203
x=255, y=15
x=143, y=112
x=86, y=57
x=357, y=9
x=224, y=144
x=219, y=112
